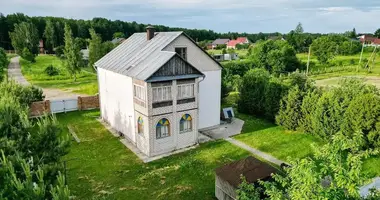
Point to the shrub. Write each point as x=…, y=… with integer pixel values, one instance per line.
x=363, y=115
x=27, y=55
x=23, y=94
x=252, y=92
x=352, y=62
x=274, y=92
x=51, y=70
x=221, y=46
x=59, y=51
x=289, y=114
x=308, y=108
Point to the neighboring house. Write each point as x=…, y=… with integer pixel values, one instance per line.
x=276, y=38
x=118, y=40
x=369, y=40
x=218, y=42
x=225, y=57
x=41, y=47
x=240, y=40
x=158, y=90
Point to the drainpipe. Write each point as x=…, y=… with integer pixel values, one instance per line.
x=203, y=78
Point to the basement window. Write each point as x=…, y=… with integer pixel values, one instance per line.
x=182, y=51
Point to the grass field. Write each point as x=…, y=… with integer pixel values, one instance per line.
x=242, y=52
x=285, y=145
x=102, y=167
x=34, y=72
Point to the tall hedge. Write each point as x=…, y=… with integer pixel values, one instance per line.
x=290, y=114
x=308, y=108
x=252, y=92
x=363, y=114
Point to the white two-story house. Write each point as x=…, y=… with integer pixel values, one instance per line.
x=159, y=89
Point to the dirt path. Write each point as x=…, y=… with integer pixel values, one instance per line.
x=374, y=80
x=14, y=72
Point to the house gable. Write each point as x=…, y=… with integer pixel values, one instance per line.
x=196, y=56
x=175, y=68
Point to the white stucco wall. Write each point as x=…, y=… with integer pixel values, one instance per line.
x=210, y=87
x=116, y=102
x=209, y=100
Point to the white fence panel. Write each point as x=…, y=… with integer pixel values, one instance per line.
x=64, y=105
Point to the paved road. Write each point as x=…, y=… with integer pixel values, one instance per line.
x=14, y=72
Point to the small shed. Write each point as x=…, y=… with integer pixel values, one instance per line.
x=227, y=178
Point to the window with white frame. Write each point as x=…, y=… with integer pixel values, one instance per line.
x=139, y=92
x=185, y=91
x=163, y=93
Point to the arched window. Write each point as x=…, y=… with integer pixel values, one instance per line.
x=163, y=128
x=185, y=124
x=140, y=125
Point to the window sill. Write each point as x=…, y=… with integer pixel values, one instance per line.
x=187, y=131
x=162, y=137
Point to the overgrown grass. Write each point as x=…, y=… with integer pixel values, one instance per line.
x=285, y=145
x=34, y=72
x=101, y=167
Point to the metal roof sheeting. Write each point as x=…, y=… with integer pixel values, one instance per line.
x=138, y=57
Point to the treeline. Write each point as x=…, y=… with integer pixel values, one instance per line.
x=107, y=28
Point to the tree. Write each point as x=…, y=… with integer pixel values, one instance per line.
x=353, y=34
x=49, y=34
x=334, y=172
x=25, y=35
x=95, y=48
x=323, y=48
x=73, y=57
x=377, y=33
x=299, y=28
x=118, y=35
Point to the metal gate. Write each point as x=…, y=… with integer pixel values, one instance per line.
x=64, y=105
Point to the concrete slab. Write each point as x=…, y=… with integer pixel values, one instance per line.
x=203, y=138
x=364, y=191
x=225, y=130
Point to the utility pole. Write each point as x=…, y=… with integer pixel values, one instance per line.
x=361, y=56
x=308, y=62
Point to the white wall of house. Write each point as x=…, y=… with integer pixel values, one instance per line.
x=209, y=100
x=116, y=102
x=210, y=87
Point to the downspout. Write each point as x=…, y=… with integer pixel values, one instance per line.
x=203, y=78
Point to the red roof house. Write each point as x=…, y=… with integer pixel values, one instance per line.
x=369, y=40
x=240, y=40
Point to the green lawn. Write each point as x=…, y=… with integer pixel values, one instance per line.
x=34, y=72
x=101, y=167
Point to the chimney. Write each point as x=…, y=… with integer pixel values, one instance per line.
x=150, y=32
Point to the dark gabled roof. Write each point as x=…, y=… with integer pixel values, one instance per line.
x=251, y=168
x=220, y=41
x=138, y=57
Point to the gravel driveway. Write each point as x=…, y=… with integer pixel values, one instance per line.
x=14, y=72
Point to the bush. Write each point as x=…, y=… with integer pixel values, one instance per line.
x=59, y=51
x=274, y=92
x=308, y=108
x=252, y=92
x=27, y=55
x=221, y=46
x=363, y=115
x=290, y=114
x=3, y=62
x=23, y=94
x=51, y=70
x=352, y=62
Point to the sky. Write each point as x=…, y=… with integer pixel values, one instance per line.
x=251, y=16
